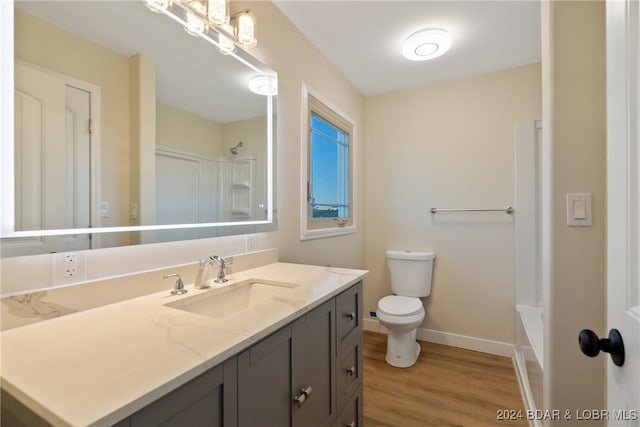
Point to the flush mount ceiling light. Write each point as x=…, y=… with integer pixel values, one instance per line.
x=426, y=44
x=264, y=85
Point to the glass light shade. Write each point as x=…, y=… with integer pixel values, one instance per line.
x=157, y=5
x=225, y=41
x=218, y=12
x=196, y=23
x=246, y=29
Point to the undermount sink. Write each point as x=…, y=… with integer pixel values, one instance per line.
x=234, y=298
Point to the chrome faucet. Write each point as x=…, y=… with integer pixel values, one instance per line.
x=222, y=263
x=178, y=288
x=201, y=277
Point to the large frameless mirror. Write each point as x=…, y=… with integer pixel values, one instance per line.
x=130, y=130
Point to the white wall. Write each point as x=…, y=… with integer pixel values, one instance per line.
x=449, y=145
x=284, y=48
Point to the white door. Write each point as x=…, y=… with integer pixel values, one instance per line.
x=52, y=149
x=78, y=152
x=40, y=160
x=623, y=207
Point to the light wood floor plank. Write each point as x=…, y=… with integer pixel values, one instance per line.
x=448, y=386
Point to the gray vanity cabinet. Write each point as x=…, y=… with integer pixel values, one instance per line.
x=307, y=374
x=208, y=400
x=349, y=356
x=288, y=378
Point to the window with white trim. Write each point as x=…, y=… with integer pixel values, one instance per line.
x=329, y=138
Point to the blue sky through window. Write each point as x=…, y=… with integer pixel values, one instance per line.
x=329, y=165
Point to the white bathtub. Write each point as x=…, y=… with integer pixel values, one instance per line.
x=528, y=358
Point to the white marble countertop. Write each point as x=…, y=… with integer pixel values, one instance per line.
x=99, y=366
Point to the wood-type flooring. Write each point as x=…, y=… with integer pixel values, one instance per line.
x=448, y=386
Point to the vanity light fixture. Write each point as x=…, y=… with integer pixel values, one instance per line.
x=218, y=12
x=246, y=28
x=200, y=16
x=426, y=44
x=263, y=84
x=157, y=6
x=225, y=38
x=196, y=23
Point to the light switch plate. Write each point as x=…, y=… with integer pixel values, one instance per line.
x=579, y=210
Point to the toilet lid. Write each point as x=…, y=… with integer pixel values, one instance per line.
x=396, y=305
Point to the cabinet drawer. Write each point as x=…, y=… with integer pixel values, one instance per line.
x=349, y=310
x=351, y=414
x=349, y=367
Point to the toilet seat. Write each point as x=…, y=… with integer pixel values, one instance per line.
x=397, y=305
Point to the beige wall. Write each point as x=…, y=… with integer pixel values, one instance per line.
x=196, y=134
x=70, y=55
x=188, y=131
x=252, y=133
x=449, y=145
x=284, y=48
x=575, y=88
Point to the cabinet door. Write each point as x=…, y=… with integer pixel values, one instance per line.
x=351, y=415
x=208, y=400
x=349, y=310
x=349, y=367
x=313, y=367
x=264, y=382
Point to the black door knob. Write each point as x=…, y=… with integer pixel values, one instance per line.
x=591, y=345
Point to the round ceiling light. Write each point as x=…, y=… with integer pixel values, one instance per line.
x=426, y=44
x=264, y=85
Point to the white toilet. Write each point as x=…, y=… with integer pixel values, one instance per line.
x=403, y=312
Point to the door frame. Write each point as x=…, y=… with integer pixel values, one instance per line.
x=623, y=169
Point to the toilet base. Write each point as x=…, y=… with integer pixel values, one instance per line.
x=402, y=349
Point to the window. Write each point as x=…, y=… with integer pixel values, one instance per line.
x=328, y=139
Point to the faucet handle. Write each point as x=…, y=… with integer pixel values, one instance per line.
x=178, y=288
x=221, y=261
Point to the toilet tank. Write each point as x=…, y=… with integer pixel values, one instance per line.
x=410, y=272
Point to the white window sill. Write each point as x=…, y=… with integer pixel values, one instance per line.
x=327, y=232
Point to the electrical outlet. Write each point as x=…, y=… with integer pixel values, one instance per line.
x=70, y=264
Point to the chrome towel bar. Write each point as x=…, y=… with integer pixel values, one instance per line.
x=507, y=209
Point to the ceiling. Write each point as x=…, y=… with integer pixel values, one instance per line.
x=363, y=39
x=184, y=64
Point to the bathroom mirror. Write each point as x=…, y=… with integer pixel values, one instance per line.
x=130, y=130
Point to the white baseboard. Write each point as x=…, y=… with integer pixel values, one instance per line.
x=462, y=341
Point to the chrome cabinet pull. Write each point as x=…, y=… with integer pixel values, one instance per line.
x=351, y=424
x=351, y=315
x=305, y=394
x=351, y=371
